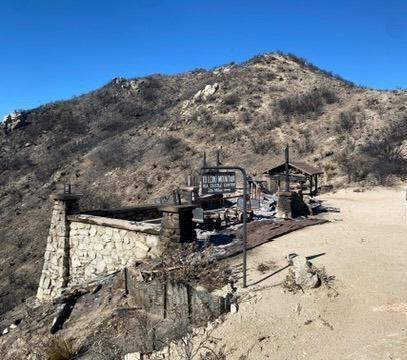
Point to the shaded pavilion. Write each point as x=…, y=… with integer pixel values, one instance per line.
x=299, y=172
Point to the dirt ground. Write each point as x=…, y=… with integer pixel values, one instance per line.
x=365, y=248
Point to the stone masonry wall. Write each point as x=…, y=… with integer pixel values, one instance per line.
x=55, y=273
x=98, y=249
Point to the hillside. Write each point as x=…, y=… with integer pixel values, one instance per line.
x=134, y=140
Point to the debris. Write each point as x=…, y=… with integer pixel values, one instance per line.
x=263, y=268
x=326, y=323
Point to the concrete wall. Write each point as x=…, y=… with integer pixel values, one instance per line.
x=101, y=245
x=175, y=300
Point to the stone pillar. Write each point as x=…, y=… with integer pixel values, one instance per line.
x=290, y=204
x=284, y=204
x=176, y=224
x=55, y=272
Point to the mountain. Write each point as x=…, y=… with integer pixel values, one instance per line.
x=134, y=140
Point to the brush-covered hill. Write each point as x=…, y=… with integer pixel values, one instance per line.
x=134, y=140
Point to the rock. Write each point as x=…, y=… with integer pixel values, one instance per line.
x=13, y=326
x=304, y=275
x=133, y=356
x=5, y=331
x=14, y=120
x=233, y=308
x=206, y=93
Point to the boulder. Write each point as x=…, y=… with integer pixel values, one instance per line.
x=206, y=93
x=14, y=120
x=305, y=276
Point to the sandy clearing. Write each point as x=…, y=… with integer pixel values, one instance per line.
x=365, y=248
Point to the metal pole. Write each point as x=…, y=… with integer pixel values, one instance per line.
x=287, y=176
x=244, y=228
x=243, y=171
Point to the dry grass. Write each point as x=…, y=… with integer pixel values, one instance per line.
x=60, y=349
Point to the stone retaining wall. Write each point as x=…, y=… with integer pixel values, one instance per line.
x=82, y=246
x=102, y=245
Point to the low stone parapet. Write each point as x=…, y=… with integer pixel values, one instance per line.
x=101, y=245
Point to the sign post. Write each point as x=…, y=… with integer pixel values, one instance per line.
x=222, y=179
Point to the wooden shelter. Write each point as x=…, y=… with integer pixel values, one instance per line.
x=299, y=172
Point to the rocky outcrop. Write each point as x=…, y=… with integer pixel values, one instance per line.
x=206, y=93
x=14, y=120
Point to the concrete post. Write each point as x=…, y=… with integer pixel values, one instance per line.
x=284, y=205
x=55, y=272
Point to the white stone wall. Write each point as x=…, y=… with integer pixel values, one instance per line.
x=97, y=249
x=54, y=273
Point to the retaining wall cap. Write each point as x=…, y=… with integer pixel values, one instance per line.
x=284, y=193
x=176, y=208
x=149, y=228
x=63, y=196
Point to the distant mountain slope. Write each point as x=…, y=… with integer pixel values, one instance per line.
x=133, y=140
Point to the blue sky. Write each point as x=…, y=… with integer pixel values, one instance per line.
x=55, y=49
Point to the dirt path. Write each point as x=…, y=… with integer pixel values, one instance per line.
x=365, y=248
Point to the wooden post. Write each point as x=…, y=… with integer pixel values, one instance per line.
x=316, y=184
x=287, y=175
x=310, y=185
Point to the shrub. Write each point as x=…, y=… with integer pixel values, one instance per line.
x=223, y=124
x=231, y=99
x=60, y=349
x=346, y=121
x=263, y=146
x=173, y=147
x=309, y=102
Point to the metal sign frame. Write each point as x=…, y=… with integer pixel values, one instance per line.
x=243, y=172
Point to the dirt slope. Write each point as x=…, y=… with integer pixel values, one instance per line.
x=366, y=251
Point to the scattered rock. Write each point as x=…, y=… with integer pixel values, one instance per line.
x=298, y=309
x=5, y=331
x=305, y=276
x=234, y=308
x=133, y=356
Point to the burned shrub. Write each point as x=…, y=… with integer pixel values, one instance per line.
x=222, y=124
x=173, y=147
x=309, y=102
x=231, y=99
x=346, y=120
x=110, y=155
x=263, y=146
